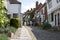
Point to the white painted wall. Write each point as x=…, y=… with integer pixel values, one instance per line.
x=55, y=6
x=13, y=8
x=21, y=18
x=53, y=22
x=56, y=13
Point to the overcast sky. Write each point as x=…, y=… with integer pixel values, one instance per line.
x=27, y=4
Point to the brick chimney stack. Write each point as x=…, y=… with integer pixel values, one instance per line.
x=36, y=3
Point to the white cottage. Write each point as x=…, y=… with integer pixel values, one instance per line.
x=53, y=8
x=14, y=8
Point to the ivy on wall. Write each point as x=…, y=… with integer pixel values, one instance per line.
x=31, y=14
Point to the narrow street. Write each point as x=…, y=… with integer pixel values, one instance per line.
x=19, y=18
x=22, y=34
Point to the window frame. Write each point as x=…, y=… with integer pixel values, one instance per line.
x=52, y=16
x=15, y=15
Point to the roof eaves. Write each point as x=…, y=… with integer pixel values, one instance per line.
x=14, y=2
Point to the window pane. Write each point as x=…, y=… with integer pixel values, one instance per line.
x=55, y=19
x=15, y=15
x=9, y=16
x=51, y=16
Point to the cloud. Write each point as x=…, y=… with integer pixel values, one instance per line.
x=27, y=4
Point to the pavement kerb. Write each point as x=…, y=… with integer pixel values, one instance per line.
x=31, y=34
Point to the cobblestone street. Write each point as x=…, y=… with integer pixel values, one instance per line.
x=45, y=35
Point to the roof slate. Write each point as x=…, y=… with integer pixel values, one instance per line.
x=14, y=2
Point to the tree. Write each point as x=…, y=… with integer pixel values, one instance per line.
x=31, y=14
x=3, y=11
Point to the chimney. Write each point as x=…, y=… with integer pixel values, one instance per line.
x=36, y=3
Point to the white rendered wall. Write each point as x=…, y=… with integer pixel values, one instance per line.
x=13, y=8
x=55, y=9
x=55, y=6
x=53, y=22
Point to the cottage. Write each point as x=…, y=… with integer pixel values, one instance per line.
x=53, y=7
x=37, y=13
x=14, y=8
x=43, y=13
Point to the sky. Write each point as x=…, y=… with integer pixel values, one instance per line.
x=28, y=4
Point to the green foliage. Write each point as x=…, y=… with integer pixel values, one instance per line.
x=11, y=29
x=3, y=11
x=2, y=30
x=15, y=22
x=3, y=37
x=31, y=15
x=7, y=29
x=46, y=25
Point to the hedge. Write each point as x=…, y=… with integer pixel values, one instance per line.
x=15, y=22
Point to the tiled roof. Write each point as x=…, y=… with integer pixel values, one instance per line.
x=43, y=9
x=14, y=2
x=26, y=13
